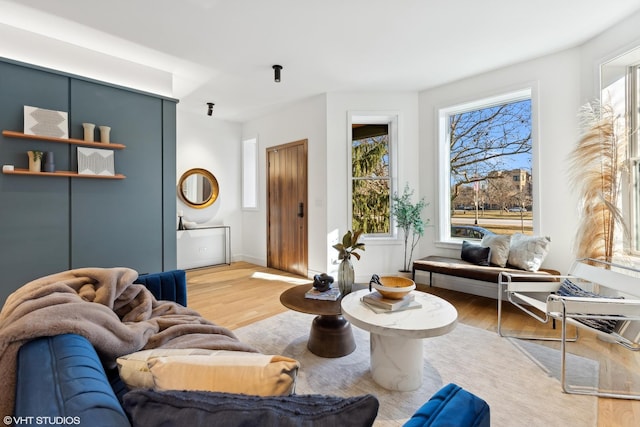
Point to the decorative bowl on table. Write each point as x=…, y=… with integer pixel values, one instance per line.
x=392, y=287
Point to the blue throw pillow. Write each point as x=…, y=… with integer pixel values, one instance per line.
x=148, y=408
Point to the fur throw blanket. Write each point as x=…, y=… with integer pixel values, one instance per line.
x=105, y=306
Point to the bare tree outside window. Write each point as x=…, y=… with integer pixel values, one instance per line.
x=490, y=156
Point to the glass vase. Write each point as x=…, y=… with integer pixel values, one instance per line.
x=345, y=276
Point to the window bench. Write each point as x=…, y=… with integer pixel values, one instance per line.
x=476, y=279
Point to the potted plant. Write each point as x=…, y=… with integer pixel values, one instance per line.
x=346, y=248
x=408, y=217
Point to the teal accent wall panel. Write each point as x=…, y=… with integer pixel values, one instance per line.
x=52, y=224
x=34, y=211
x=169, y=185
x=119, y=222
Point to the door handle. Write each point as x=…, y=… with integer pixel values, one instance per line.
x=301, y=210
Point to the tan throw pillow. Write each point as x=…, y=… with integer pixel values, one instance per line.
x=209, y=370
x=528, y=252
x=499, y=244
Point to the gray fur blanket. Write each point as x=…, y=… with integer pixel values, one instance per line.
x=105, y=306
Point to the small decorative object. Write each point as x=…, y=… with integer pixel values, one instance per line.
x=89, y=129
x=94, y=161
x=322, y=282
x=35, y=157
x=39, y=121
x=104, y=134
x=180, y=223
x=7, y=168
x=408, y=218
x=49, y=164
x=392, y=287
x=332, y=294
x=348, y=247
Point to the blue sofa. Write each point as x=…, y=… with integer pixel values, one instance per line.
x=61, y=381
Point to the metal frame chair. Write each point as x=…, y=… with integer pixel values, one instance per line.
x=538, y=299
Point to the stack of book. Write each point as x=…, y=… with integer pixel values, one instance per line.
x=379, y=304
x=331, y=295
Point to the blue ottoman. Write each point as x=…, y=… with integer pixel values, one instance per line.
x=452, y=406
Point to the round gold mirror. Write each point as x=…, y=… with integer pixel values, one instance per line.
x=198, y=188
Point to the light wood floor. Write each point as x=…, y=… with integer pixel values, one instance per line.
x=243, y=293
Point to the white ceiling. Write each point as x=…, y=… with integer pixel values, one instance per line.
x=222, y=50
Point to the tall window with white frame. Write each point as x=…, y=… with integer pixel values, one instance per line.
x=371, y=177
x=634, y=140
x=486, y=151
x=250, y=174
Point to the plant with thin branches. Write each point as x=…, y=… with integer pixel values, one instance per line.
x=597, y=164
x=408, y=218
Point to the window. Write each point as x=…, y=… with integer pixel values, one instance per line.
x=620, y=88
x=634, y=123
x=249, y=174
x=486, y=178
x=372, y=140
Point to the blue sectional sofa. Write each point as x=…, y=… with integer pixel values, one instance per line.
x=61, y=381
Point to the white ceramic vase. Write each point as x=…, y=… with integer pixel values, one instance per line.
x=104, y=134
x=89, y=129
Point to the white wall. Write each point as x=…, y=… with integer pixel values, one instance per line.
x=555, y=102
x=617, y=40
x=380, y=257
x=208, y=143
x=323, y=121
x=304, y=120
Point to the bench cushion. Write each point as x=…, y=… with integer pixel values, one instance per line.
x=459, y=268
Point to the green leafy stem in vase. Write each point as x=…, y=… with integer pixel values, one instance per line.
x=349, y=245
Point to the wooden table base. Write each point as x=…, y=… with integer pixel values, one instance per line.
x=331, y=336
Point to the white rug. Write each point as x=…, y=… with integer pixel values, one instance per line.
x=515, y=388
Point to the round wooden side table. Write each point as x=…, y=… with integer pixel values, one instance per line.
x=330, y=334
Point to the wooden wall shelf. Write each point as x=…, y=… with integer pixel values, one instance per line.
x=67, y=174
x=109, y=146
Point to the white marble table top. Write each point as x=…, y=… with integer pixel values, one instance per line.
x=435, y=317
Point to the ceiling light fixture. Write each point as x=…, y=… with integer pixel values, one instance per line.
x=276, y=73
x=210, y=110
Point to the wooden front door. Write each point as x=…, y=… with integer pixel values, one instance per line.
x=287, y=207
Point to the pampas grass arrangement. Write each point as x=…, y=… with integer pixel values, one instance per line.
x=596, y=166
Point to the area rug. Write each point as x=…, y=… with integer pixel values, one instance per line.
x=515, y=388
x=581, y=373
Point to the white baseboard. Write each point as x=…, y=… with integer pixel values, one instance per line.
x=459, y=284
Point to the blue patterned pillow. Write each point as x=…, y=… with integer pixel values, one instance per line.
x=570, y=289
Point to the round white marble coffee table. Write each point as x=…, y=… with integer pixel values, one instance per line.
x=396, y=338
